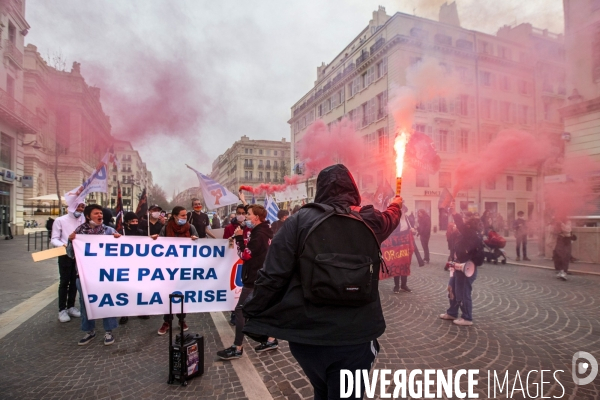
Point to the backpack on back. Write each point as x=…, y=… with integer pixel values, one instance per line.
x=340, y=259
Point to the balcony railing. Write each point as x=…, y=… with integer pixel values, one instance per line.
x=11, y=51
x=268, y=166
x=17, y=115
x=260, y=166
x=249, y=166
x=378, y=44
x=363, y=57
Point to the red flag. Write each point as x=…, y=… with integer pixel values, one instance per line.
x=142, y=208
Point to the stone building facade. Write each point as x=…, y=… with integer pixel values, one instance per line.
x=74, y=133
x=252, y=162
x=514, y=79
x=16, y=121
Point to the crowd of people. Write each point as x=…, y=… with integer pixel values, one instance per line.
x=273, y=303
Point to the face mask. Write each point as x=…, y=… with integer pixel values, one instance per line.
x=197, y=208
x=249, y=224
x=133, y=226
x=181, y=221
x=77, y=214
x=93, y=223
x=155, y=215
x=240, y=218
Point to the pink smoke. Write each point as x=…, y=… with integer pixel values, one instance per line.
x=269, y=188
x=575, y=196
x=321, y=147
x=510, y=149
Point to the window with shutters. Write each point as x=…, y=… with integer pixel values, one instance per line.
x=523, y=87
x=443, y=107
x=529, y=184
x=370, y=77
x=463, y=105
x=510, y=183
x=504, y=111
x=382, y=104
x=486, y=108
x=444, y=141
x=485, y=78
x=356, y=85
x=383, y=140
x=382, y=67
x=320, y=110
x=523, y=115
x=334, y=101
x=505, y=83
x=490, y=184
x=422, y=179
x=463, y=141
x=357, y=117
x=445, y=180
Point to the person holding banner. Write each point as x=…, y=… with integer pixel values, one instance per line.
x=199, y=220
x=177, y=226
x=130, y=228
x=155, y=222
x=93, y=226
x=468, y=248
x=253, y=252
x=67, y=269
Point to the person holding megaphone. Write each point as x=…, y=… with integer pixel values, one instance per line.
x=468, y=256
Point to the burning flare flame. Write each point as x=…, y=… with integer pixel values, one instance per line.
x=400, y=147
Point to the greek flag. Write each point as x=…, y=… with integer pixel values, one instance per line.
x=215, y=194
x=271, y=208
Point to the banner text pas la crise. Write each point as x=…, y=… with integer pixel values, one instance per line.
x=133, y=275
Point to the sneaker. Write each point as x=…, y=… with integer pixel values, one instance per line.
x=73, y=312
x=185, y=327
x=123, y=320
x=448, y=317
x=266, y=346
x=63, y=316
x=230, y=353
x=108, y=338
x=462, y=322
x=87, y=338
x=405, y=289
x=396, y=290
x=518, y=259
x=164, y=328
x=563, y=275
x=526, y=259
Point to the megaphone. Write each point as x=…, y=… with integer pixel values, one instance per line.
x=467, y=268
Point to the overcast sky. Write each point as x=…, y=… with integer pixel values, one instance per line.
x=184, y=79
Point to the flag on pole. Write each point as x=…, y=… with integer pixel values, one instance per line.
x=215, y=194
x=111, y=158
x=271, y=208
x=142, y=208
x=119, y=209
x=96, y=183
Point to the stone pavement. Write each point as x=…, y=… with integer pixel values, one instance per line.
x=525, y=319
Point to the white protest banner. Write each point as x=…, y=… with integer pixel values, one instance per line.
x=292, y=193
x=134, y=275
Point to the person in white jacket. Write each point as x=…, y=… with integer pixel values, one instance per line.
x=67, y=269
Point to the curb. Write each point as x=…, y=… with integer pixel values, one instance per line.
x=574, y=272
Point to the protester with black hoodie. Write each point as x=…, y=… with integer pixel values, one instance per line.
x=131, y=225
x=324, y=339
x=253, y=251
x=130, y=228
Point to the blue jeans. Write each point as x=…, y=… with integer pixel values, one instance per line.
x=461, y=289
x=88, y=325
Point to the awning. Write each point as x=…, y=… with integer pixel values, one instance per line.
x=48, y=197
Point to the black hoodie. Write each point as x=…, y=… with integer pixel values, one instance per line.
x=278, y=307
x=253, y=251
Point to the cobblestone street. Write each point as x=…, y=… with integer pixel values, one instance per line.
x=525, y=319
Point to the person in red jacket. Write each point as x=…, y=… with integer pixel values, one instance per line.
x=240, y=217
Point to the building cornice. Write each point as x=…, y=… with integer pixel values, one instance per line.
x=584, y=107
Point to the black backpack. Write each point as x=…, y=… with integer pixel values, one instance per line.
x=340, y=259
